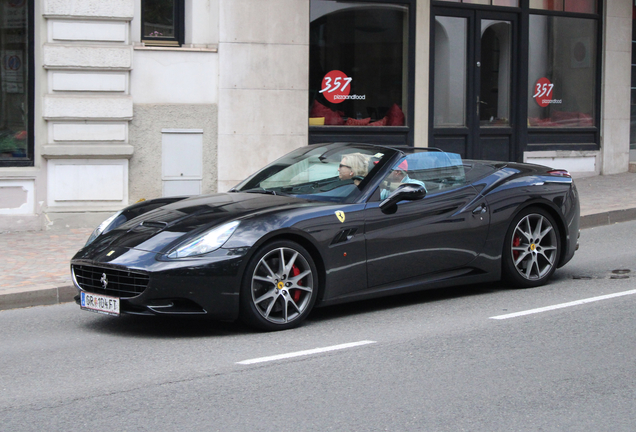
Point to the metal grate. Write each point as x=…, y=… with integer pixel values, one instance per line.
x=119, y=283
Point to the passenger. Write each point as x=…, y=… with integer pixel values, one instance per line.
x=353, y=166
x=398, y=176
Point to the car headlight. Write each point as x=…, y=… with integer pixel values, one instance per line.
x=206, y=242
x=103, y=227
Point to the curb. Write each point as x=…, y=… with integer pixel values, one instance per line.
x=65, y=294
x=607, y=218
x=40, y=297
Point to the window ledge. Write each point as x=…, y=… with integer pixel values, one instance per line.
x=87, y=151
x=140, y=46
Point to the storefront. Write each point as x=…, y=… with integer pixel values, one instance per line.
x=506, y=76
x=106, y=103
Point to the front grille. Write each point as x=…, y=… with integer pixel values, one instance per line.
x=119, y=283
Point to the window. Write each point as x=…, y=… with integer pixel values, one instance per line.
x=562, y=72
x=162, y=22
x=358, y=67
x=16, y=141
x=581, y=6
x=450, y=71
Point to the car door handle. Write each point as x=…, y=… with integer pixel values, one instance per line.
x=480, y=209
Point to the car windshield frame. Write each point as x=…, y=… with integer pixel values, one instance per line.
x=311, y=173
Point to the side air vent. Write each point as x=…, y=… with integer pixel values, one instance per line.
x=344, y=236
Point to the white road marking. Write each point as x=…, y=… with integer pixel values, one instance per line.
x=304, y=353
x=563, y=305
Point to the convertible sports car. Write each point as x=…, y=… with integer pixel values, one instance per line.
x=329, y=224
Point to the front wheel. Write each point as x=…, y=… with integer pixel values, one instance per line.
x=531, y=249
x=280, y=287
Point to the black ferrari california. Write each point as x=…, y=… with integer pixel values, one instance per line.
x=330, y=224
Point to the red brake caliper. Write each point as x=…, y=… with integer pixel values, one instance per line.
x=296, y=294
x=516, y=241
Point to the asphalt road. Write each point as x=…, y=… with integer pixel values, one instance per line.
x=433, y=361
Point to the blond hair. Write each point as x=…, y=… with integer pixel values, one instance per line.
x=358, y=162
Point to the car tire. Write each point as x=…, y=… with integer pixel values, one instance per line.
x=280, y=287
x=531, y=248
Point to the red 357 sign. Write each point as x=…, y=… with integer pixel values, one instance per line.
x=336, y=86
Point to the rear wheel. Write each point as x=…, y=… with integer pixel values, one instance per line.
x=280, y=287
x=531, y=249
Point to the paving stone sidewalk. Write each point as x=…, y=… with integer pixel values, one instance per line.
x=35, y=266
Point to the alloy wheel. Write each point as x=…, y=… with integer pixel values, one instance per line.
x=282, y=285
x=534, y=247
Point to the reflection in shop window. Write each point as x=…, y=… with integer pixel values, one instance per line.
x=450, y=71
x=580, y=6
x=562, y=72
x=14, y=97
x=358, y=64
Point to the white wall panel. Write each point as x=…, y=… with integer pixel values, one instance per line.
x=581, y=162
x=87, y=107
x=87, y=132
x=87, y=56
x=90, y=8
x=86, y=183
x=88, y=31
x=88, y=81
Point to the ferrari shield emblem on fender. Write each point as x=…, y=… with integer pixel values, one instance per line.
x=340, y=215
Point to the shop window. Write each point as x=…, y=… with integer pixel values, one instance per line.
x=162, y=22
x=580, y=6
x=358, y=64
x=15, y=141
x=562, y=72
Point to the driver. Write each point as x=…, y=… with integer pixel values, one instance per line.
x=353, y=166
x=396, y=177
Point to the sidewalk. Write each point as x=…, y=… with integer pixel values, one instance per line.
x=35, y=268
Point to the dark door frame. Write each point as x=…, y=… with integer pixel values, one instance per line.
x=471, y=132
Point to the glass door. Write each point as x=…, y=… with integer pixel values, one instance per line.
x=474, y=83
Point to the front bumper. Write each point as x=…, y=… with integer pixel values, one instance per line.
x=204, y=286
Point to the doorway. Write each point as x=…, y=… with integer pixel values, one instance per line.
x=475, y=103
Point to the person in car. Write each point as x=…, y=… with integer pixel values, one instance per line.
x=354, y=166
x=397, y=177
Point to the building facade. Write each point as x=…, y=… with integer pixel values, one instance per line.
x=105, y=103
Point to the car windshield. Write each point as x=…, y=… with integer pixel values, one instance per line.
x=331, y=172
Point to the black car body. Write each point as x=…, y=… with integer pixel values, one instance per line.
x=296, y=234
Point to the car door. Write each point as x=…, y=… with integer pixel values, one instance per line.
x=445, y=230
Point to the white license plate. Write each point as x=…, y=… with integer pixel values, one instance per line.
x=100, y=303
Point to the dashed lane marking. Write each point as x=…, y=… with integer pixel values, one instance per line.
x=563, y=305
x=305, y=353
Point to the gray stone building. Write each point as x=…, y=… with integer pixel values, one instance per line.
x=106, y=102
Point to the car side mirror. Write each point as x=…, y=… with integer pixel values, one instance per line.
x=404, y=192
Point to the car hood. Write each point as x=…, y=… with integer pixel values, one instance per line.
x=163, y=228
